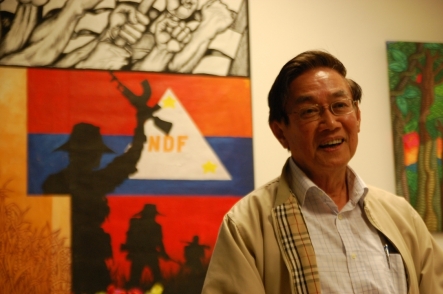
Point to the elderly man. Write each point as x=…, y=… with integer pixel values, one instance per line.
x=318, y=228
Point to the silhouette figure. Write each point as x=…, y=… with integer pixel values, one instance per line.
x=194, y=256
x=144, y=244
x=88, y=186
x=191, y=276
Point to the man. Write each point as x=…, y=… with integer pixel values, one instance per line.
x=194, y=257
x=88, y=186
x=319, y=228
x=144, y=244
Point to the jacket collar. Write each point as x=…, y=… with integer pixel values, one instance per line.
x=284, y=190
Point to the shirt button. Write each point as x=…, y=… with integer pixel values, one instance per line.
x=340, y=216
x=353, y=255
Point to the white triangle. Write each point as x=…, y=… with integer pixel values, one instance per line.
x=184, y=154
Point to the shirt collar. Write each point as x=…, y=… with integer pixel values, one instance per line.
x=300, y=184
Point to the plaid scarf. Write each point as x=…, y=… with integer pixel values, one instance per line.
x=298, y=251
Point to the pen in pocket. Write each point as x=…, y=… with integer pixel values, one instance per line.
x=386, y=248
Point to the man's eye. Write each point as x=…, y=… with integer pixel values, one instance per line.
x=341, y=105
x=308, y=111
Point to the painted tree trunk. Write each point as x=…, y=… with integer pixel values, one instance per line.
x=398, y=123
x=427, y=169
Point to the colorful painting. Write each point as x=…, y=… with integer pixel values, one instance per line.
x=416, y=96
x=123, y=144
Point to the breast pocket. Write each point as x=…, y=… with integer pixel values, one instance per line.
x=398, y=274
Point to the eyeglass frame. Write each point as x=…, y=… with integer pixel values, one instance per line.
x=323, y=106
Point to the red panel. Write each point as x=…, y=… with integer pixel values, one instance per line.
x=181, y=218
x=218, y=106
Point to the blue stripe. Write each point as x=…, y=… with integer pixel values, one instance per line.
x=235, y=153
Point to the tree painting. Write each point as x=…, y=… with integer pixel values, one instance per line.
x=416, y=99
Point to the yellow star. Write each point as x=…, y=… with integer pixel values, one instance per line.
x=169, y=102
x=209, y=167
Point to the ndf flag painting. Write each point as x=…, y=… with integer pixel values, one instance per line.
x=127, y=136
x=206, y=151
x=416, y=98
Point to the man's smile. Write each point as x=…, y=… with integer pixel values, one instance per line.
x=332, y=143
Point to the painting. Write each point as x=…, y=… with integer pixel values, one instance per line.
x=416, y=99
x=127, y=136
x=180, y=36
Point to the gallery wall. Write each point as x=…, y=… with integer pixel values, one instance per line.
x=354, y=31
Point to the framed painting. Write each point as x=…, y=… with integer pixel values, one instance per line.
x=127, y=137
x=416, y=99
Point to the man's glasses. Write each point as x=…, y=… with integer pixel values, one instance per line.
x=313, y=112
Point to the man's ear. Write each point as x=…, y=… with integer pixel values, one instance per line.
x=358, y=119
x=277, y=130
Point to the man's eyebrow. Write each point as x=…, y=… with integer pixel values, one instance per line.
x=309, y=98
x=303, y=99
x=340, y=93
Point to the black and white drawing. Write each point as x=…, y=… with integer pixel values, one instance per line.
x=175, y=36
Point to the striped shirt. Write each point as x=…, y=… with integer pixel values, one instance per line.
x=350, y=252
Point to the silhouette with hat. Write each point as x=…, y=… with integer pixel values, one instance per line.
x=144, y=244
x=88, y=187
x=192, y=273
x=194, y=256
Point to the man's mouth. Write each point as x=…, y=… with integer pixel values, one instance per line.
x=331, y=143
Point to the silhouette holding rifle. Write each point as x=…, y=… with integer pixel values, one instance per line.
x=88, y=187
x=144, y=244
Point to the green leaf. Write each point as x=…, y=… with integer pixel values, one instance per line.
x=439, y=90
x=412, y=178
x=411, y=92
x=434, y=46
x=412, y=126
x=397, y=66
x=431, y=127
x=436, y=110
x=399, y=56
x=402, y=105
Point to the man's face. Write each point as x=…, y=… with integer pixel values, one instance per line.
x=328, y=143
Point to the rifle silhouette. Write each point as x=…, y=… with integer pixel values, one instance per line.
x=139, y=102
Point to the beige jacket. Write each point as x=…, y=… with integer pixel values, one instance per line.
x=264, y=246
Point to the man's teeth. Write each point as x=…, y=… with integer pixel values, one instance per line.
x=333, y=142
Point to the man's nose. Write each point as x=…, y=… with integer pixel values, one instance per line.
x=326, y=115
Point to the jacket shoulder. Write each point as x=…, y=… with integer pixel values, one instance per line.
x=386, y=198
x=257, y=204
x=397, y=207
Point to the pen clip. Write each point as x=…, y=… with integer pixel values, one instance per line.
x=386, y=248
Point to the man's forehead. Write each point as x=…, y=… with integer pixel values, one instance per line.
x=312, y=96
x=319, y=81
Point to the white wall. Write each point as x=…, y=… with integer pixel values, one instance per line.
x=355, y=31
